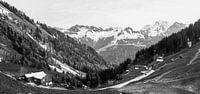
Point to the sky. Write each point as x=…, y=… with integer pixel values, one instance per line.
x=109, y=13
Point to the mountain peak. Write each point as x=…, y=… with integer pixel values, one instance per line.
x=157, y=29
x=161, y=22
x=91, y=28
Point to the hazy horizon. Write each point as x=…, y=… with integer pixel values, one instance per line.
x=109, y=13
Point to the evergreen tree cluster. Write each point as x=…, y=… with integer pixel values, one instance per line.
x=169, y=45
x=31, y=55
x=70, y=48
x=114, y=73
x=96, y=78
x=67, y=50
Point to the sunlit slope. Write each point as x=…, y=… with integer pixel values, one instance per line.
x=178, y=74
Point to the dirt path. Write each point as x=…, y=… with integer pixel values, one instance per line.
x=195, y=57
x=128, y=82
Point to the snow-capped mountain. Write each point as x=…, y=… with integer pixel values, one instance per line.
x=162, y=28
x=94, y=33
x=116, y=44
x=175, y=28
x=158, y=29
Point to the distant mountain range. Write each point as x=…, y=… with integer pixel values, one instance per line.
x=116, y=44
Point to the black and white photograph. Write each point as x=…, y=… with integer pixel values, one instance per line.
x=99, y=47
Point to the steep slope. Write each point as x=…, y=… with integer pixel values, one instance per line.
x=117, y=44
x=175, y=27
x=180, y=76
x=179, y=73
x=38, y=45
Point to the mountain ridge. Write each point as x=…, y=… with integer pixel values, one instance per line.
x=50, y=45
x=125, y=41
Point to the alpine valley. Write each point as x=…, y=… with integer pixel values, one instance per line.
x=162, y=58
x=116, y=44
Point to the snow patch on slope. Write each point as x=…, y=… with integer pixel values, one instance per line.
x=31, y=37
x=3, y=10
x=66, y=68
x=118, y=34
x=44, y=46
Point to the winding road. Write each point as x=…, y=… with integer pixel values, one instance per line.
x=195, y=57
x=145, y=75
x=130, y=81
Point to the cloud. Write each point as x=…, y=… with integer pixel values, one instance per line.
x=135, y=13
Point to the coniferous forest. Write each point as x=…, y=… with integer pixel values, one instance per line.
x=169, y=45
x=26, y=39
x=29, y=58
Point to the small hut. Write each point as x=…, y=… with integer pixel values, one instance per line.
x=189, y=43
x=39, y=78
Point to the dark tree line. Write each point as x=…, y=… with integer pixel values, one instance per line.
x=17, y=12
x=31, y=55
x=96, y=78
x=114, y=73
x=170, y=44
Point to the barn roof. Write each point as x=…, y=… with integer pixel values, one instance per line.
x=38, y=75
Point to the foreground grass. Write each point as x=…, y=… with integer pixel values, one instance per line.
x=175, y=77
